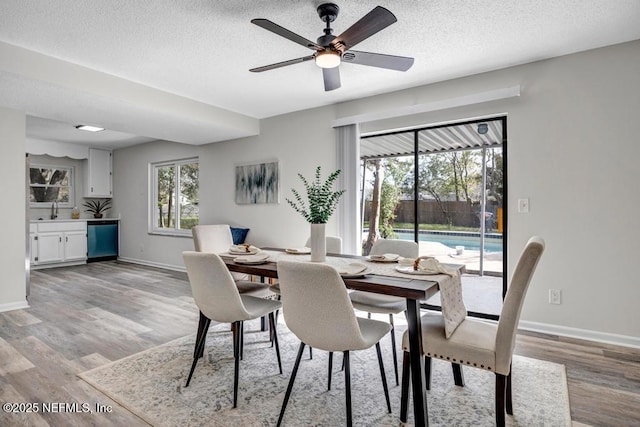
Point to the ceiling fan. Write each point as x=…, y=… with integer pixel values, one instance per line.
x=330, y=50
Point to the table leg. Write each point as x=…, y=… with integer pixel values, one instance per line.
x=417, y=363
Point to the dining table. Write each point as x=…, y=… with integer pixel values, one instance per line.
x=413, y=288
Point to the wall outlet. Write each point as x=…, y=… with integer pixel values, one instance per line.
x=523, y=205
x=555, y=296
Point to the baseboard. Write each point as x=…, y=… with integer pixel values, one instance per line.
x=583, y=334
x=14, y=306
x=152, y=264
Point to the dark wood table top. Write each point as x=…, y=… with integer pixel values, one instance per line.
x=418, y=289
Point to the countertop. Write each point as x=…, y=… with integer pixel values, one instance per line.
x=38, y=221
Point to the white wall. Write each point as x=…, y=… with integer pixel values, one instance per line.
x=573, y=150
x=12, y=214
x=131, y=202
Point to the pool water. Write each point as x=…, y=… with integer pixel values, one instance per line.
x=469, y=242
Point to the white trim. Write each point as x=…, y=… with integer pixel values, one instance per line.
x=153, y=264
x=584, y=334
x=461, y=101
x=18, y=305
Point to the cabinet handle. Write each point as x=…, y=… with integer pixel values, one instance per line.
x=60, y=238
x=66, y=238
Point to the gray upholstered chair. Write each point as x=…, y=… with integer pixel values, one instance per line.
x=386, y=304
x=334, y=244
x=480, y=344
x=218, y=299
x=317, y=310
x=216, y=238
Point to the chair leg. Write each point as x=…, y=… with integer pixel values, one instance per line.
x=500, y=395
x=384, y=377
x=427, y=373
x=199, y=346
x=330, y=369
x=347, y=387
x=458, y=377
x=393, y=347
x=274, y=335
x=509, y=403
x=241, y=340
x=406, y=381
x=236, y=356
x=291, y=380
x=201, y=326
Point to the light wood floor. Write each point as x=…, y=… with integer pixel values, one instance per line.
x=85, y=316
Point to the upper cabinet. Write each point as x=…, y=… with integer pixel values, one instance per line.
x=98, y=173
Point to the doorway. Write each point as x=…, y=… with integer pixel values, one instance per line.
x=444, y=187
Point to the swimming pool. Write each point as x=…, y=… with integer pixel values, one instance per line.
x=471, y=242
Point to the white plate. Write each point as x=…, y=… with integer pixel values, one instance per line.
x=298, y=251
x=387, y=260
x=408, y=269
x=258, y=260
x=354, y=266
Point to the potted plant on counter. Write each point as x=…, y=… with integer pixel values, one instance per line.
x=320, y=205
x=97, y=207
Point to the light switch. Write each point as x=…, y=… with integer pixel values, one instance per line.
x=523, y=205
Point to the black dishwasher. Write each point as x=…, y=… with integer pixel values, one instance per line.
x=102, y=240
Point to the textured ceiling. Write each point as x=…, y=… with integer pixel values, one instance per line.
x=202, y=50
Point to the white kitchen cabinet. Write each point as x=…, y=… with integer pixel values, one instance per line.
x=59, y=242
x=75, y=245
x=50, y=248
x=98, y=173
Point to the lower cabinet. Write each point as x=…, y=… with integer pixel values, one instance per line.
x=59, y=242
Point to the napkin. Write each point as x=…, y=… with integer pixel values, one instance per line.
x=252, y=258
x=352, y=268
x=384, y=257
x=433, y=266
x=244, y=248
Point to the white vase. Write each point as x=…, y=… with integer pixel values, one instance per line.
x=318, y=243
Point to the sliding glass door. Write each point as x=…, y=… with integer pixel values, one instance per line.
x=443, y=187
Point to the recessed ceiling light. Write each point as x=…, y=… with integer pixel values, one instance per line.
x=89, y=128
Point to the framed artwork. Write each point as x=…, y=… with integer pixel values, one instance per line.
x=258, y=183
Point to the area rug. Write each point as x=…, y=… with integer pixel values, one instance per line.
x=151, y=385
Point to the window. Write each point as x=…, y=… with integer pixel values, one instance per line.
x=48, y=184
x=174, y=202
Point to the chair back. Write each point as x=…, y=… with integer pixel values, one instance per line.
x=334, y=244
x=512, y=306
x=316, y=306
x=214, y=238
x=404, y=248
x=213, y=287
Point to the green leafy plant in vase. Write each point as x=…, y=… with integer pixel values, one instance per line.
x=97, y=207
x=320, y=204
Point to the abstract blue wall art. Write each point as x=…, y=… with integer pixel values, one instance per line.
x=257, y=183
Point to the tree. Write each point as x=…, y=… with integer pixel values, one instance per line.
x=374, y=220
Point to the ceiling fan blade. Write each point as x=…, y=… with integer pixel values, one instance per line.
x=331, y=78
x=281, y=64
x=392, y=62
x=283, y=32
x=374, y=21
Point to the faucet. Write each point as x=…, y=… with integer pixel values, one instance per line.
x=54, y=210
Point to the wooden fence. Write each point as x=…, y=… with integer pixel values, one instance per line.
x=461, y=214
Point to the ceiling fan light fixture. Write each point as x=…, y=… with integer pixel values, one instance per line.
x=328, y=59
x=89, y=128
